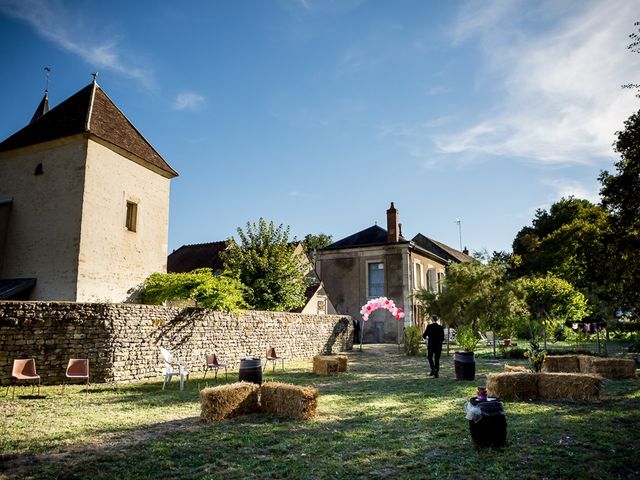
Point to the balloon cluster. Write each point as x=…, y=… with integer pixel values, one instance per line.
x=381, y=302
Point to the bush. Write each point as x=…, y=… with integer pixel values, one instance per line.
x=466, y=338
x=412, y=341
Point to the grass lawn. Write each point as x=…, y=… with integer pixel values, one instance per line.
x=385, y=418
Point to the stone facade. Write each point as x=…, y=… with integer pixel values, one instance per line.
x=121, y=340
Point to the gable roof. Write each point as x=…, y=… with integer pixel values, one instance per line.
x=200, y=255
x=441, y=250
x=89, y=111
x=43, y=107
x=371, y=236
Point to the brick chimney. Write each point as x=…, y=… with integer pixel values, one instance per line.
x=393, y=229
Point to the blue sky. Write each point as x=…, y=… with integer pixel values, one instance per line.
x=318, y=113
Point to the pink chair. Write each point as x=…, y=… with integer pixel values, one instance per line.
x=78, y=369
x=24, y=370
x=273, y=358
x=213, y=364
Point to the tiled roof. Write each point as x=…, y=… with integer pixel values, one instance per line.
x=374, y=235
x=88, y=111
x=440, y=249
x=201, y=255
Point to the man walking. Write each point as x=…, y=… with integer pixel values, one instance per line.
x=434, y=334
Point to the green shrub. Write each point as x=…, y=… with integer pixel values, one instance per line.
x=466, y=338
x=412, y=341
x=216, y=292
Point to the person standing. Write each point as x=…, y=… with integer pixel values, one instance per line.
x=434, y=334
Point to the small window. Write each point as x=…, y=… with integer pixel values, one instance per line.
x=417, y=275
x=132, y=216
x=440, y=279
x=376, y=280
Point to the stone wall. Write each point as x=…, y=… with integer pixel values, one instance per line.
x=121, y=340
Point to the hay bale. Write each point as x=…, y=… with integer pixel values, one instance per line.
x=569, y=386
x=586, y=363
x=290, y=401
x=225, y=401
x=512, y=385
x=342, y=362
x=515, y=368
x=325, y=365
x=561, y=363
x=612, y=367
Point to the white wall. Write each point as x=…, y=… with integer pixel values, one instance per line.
x=43, y=237
x=113, y=260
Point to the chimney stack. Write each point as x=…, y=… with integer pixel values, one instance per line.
x=393, y=230
x=465, y=251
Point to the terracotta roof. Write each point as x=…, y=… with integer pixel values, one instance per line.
x=374, y=235
x=201, y=255
x=440, y=249
x=88, y=111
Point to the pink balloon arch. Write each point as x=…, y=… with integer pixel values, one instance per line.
x=376, y=304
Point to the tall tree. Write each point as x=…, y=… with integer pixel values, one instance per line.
x=569, y=241
x=552, y=300
x=263, y=259
x=313, y=242
x=621, y=197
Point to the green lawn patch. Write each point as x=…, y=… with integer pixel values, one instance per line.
x=384, y=418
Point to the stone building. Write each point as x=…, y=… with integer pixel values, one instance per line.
x=376, y=262
x=84, y=204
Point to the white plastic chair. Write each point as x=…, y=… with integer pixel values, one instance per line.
x=173, y=367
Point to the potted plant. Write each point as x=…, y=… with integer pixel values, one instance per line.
x=464, y=361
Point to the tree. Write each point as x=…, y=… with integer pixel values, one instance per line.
x=263, y=259
x=621, y=197
x=634, y=46
x=220, y=292
x=474, y=294
x=317, y=242
x=569, y=241
x=552, y=300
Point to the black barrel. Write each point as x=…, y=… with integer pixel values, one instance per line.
x=491, y=429
x=465, y=365
x=251, y=370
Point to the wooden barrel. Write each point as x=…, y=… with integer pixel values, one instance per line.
x=465, y=365
x=491, y=429
x=251, y=370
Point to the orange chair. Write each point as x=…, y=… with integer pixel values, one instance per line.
x=24, y=370
x=78, y=369
x=273, y=358
x=213, y=364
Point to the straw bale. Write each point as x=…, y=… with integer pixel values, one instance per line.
x=290, y=401
x=612, y=367
x=561, y=363
x=342, y=362
x=225, y=401
x=515, y=368
x=512, y=385
x=569, y=386
x=586, y=363
x=325, y=365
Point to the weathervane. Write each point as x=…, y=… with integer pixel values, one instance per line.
x=459, y=222
x=95, y=76
x=47, y=75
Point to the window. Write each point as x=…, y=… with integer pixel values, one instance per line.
x=417, y=275
x=132, y=216
x=375, y=279
x=440, y=278
x=432, y=279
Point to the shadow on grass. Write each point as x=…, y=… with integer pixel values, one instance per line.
x=385, y=418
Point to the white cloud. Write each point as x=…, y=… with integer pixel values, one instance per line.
x=51, y=21
x=567, y=188
x=562, y=97
x=188, y=100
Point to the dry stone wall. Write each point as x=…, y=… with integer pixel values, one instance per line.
x=122, y=340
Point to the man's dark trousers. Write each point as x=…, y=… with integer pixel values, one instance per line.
x=434, y=350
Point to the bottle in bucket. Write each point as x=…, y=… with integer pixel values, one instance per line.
x=482, y=393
